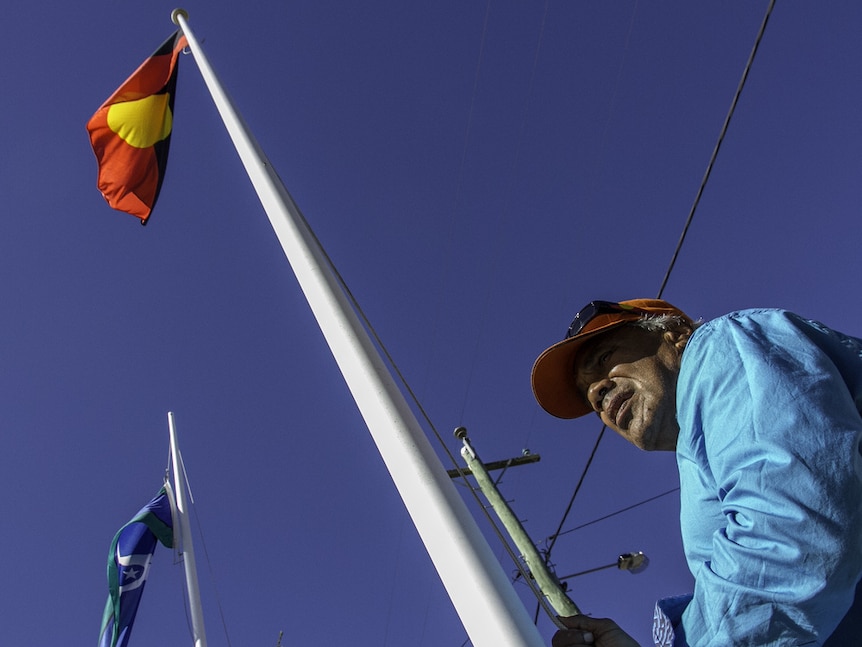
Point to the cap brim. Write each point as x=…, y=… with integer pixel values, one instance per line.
x=554, y=374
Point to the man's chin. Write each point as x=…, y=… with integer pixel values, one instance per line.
x=657, y=443
x=643, y=439
x=632, y=436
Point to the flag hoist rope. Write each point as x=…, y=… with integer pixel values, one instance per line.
x=481, y=593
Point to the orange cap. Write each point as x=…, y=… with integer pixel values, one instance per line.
x=554, y=371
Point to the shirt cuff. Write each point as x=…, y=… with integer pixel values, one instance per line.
x=666, y=629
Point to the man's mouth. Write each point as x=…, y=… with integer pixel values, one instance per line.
x=622, y=412
x=617, y=407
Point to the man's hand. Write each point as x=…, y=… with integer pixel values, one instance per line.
x=583, y=631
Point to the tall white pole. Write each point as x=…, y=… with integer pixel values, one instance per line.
x=484, y=598
x=186, y=544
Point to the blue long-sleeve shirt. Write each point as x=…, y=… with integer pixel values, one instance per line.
x=770, y=471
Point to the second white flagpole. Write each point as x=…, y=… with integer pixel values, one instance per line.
x=186, y=546
x=482, y=594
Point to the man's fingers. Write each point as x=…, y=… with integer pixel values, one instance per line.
x=575, y=633
x=586, y=631
x=572, y=622
x=572, y=638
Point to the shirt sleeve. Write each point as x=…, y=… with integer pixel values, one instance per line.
x=771, y=476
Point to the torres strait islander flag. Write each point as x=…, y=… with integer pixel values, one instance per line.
x=131, y=132
x=129, y=563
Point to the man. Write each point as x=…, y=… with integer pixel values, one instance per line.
x=763, y=410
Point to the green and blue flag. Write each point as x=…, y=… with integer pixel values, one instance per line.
x=128, y=565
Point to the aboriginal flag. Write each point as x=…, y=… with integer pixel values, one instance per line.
x=131, y=132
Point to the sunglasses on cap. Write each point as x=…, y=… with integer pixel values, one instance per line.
x=594, y=308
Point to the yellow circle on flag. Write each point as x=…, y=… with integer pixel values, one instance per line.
x=141, y=123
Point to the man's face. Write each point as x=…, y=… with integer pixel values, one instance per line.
x=629, y=375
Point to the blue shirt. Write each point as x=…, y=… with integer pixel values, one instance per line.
x=770, y=465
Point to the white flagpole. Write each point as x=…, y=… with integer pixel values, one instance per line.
x=186, y=545
x=483, y=597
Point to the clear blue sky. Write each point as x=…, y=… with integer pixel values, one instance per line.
x=477, y=173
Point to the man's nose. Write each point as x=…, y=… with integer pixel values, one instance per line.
x=597, y=392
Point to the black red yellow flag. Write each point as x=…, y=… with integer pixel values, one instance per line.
x=131, y=132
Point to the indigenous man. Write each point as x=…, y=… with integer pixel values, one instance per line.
x=762, y=408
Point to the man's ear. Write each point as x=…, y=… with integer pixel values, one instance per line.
x=678, y=337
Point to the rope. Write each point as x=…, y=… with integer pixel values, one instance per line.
x=181, y=558
x=211, y=573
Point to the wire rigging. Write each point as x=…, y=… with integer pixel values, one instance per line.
x=212, y=573
x=389, y=359
x=598, y=162
x=717, y=146
x=552, y=540
x=208, y=560
x=688, y=221
x=180, y=557
x=542, y=603
x=501, y=536
x=513, y=555
x=620, y=511
x=504, y=214
x=459, y=183
x=424, y=415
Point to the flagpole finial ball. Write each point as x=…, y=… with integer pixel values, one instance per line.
x=179, y=12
